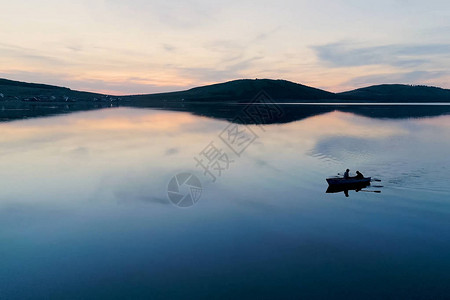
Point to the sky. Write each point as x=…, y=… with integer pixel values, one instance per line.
x=148, y=46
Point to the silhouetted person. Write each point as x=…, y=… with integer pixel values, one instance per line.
x=346, y=175
x=359, y=175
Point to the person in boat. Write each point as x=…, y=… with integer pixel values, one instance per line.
x=359, y=175
x=346, y=174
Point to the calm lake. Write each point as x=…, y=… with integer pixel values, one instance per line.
x=85, y=211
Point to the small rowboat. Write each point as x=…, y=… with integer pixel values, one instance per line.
x=348, y=181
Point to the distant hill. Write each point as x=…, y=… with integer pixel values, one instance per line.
x=244, y=90
x=22, y=90
x=21, y=100
x=12, y=83
x=398, y=93
x=235, y=91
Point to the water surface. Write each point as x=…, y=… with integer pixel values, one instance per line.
x=84, y=211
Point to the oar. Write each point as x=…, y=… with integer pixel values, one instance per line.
x=378, y=192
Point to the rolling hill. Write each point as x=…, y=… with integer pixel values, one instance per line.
x=398, y=93
x=243, y=90
x=237, y=91
x=19, y=90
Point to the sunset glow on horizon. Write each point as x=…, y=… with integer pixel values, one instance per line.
x=137, y=47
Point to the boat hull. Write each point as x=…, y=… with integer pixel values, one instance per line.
x=348, y=181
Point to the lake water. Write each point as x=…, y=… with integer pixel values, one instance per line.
x=85, y=212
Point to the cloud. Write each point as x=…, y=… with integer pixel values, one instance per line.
x=389, y=63
x=221, y=72
x=172, y=151
x=415, y=77
x=343, y=54
x=130, y=85
x=169, y=48
x=29, y=55
x=176, y=14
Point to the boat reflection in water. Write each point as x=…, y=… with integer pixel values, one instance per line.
x=357, y=187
